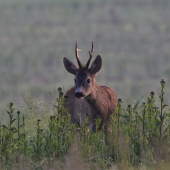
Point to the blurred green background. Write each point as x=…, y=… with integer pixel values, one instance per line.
x=132, y=36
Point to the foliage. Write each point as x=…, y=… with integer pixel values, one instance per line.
x=51, y=142
x=139, y=137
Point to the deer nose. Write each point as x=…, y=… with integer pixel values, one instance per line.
x=79, y=94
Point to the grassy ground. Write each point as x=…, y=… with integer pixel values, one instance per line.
x=139, y=138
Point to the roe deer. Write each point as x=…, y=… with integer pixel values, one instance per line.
x=87, y=97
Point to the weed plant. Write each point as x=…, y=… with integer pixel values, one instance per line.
x=139, y=137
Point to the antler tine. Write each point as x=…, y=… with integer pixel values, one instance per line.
x=91, y=55
x=77, y=56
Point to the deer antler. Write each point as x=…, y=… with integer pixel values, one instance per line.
x=77, y=56
x=91, y=55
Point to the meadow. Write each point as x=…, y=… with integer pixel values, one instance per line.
x=139, y=138
x=132, y=38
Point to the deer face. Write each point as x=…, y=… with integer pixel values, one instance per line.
x=83, y=83
x=84, y=77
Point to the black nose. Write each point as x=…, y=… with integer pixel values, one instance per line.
x=79, y=94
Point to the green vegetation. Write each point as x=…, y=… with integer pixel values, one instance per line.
x=140, y=138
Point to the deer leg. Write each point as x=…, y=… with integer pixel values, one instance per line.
x=92, y=119
x=92, y=127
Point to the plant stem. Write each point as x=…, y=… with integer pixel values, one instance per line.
x=161, y=113
x=143, y=125
x=18, y=127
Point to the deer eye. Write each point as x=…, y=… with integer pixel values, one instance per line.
x=88, y=81
x=75, y=80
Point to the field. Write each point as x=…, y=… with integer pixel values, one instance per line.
x=139, y=138
x=133, y=38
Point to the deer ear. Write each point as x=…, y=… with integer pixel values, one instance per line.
x=96, y=65
x=70, y=67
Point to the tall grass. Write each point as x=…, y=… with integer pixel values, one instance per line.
x=139, y=138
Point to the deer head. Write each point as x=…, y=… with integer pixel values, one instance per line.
x=84, y=76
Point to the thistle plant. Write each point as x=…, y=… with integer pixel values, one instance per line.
x=163, y=115
x=143, y=121
x=39, y=139
x=1, y=142
x=61, y=132
x=18, y=123
x=11, y=120
x=118, y=115
x=139, y=134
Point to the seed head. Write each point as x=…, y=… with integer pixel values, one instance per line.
x=152, y=93
x=18, y=112
x=66, y=97
x=156, y=108
x=11, y=104
x=61, y=93
x=162, y=81
x=54, y=117
x=120, y=100
x=41, y=130
x=149, y=99
x=59, y=89
x=129, y=106
x=38, y=120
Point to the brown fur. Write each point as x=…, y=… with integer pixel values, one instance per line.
x=91, y=99
x=104, y=105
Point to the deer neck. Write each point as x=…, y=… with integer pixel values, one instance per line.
x=98, y=100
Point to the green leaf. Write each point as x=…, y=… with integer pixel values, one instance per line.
x=12, y=110
x=8, y=112
x=160, y=96
x=13, y=121
x=140, y=118
x=137, y=103
x=165, y=105
x=23, y=120
x=5, y=127
x=158, y=121
x=164, y=115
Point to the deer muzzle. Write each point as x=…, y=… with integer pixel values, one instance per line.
x=78, y=93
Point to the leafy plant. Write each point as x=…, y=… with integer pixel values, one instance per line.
x=140, y=136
